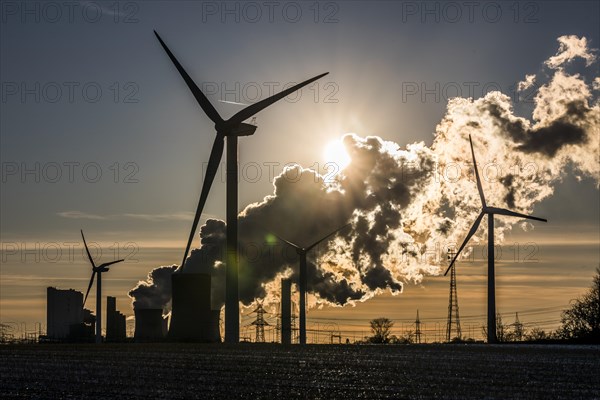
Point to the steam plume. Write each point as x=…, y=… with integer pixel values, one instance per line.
x=406, y=205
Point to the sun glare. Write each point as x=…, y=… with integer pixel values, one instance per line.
x=336, y=153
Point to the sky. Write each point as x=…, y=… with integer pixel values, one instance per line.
x=100, y=133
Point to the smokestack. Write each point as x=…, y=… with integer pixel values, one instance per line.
x=286, y=315
x=116, y=329
x=148, y=325
x=191, y=317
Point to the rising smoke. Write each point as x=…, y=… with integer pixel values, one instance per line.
x=407, y=205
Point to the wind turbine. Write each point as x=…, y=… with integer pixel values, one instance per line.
x=302, y=251
x=231, y=128
x=97, y=270
x=490, y=211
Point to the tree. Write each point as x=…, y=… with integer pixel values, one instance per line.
x=537, y=334
x=582, y=320
x=381, y=328
x=501, y=329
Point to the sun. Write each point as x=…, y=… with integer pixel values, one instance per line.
x=335, y=152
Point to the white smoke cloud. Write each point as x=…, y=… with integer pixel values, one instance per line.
x=155, y=291
x=407, y=205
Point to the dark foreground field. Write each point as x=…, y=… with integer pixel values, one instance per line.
x=178, y=371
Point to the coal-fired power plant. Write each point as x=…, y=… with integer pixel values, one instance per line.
x=192, y=318
x=286, y=311
x=148, y=325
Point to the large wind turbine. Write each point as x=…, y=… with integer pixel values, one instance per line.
x=302, y=277
x=97, y=270
x=490, y=211
x=231, y=128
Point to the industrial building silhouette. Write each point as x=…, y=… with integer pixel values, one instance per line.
x=149, y=325
x=116, y=328
x=286, y=311
x=66, y=319
x=192, y=318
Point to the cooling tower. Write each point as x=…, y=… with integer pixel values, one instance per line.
x=192, y=319
x=286, y=314
x=148, y=325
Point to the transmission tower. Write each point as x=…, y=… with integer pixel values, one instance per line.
x=417, y=329
x=278, y=325
x=518, y=328
x=453, y=318
x=260, y=323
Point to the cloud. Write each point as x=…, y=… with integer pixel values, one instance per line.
x=181, y=216
x=527, y=83
x=176, y=216
x=79, y=215
x=571, y=47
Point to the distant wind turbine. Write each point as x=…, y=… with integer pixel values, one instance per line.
x=231, y=128
x=302, y=277
x=97, y=270
x=490, y=211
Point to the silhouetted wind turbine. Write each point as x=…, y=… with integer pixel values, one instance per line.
x=97, y=270
x=231, y=128
x=302, y=277
x=490, y=211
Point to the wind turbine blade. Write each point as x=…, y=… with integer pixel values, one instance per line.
x=323, y=238
x=288, y=242
x=469, y=235
x=479, y=187
x=213, y=165
x=502, y=211
x=87, y=250
x=110, y=263
x=89, y=287
x=200, y=97
x=256, y=107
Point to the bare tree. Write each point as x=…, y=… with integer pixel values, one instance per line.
x=537, y=334
x=501, y=329
x=381, y=328
x=582, y=320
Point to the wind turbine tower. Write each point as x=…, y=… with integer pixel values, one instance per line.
x=97, y=270
x=230, y=129
x=453, y=315
x=302, y=251
x=490, y=212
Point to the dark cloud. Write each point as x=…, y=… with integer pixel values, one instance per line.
x=546, y=140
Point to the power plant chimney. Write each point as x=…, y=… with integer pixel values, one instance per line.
x=286, y=311
x=148, y=324
x=192, y=318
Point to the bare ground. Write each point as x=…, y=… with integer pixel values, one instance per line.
x=178, y=371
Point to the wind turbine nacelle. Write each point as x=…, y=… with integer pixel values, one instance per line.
x=228, y=129
x=243, y=130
